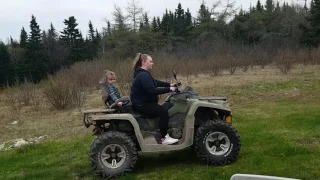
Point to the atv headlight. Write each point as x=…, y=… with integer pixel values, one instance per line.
x=229, y=119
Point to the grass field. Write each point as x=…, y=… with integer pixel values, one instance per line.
x=276, y=115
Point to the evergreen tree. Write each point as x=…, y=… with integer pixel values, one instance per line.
x=269, y=6
x=165, y=25
x=50, y=47
x=5, y=67
x=305, y=6
x=285, y=6
x=146, y=21
x=72, y=40
x=23, y=38
x=158, y=22
x=141, y=27
x=109, y=28
x=96, y=43
x=56, y=53
x=311, y=35
x=259, y=6
x=34, y=41
x=52, y=34
x=154, y=27
x=278, y=7
x=36, y=64
x=13, y=43
x=91, y=31
x=90, y=43
x=204, y=16
x=44, y=37
x=98, y=36
x=188, y=19
x=179, y=23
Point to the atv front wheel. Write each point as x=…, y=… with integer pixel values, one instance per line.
x=113, y=154
x=217, y=143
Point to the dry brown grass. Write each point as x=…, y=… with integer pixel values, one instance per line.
x=65, y=123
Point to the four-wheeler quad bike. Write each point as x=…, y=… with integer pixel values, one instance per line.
x=202, y=123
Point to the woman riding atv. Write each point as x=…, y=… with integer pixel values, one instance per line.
x=144, y=95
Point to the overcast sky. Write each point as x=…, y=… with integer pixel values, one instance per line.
x=15, y=14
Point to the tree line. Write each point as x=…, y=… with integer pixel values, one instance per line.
x=269, y=25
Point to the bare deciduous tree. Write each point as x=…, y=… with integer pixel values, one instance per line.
x=228, y=10
x=119, y=18
x=135, y=13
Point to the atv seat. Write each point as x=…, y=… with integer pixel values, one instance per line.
x=136, y=114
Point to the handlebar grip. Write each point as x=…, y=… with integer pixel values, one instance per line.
x=177, y=85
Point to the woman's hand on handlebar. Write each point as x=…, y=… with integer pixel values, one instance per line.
x=120, y=104
x=173, y=89
x=175, y=84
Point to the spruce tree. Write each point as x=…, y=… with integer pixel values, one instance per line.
x=277, y=9
x=312, y=35
x=72, y=40
x=91, y=31
x=179, y=24
x=37, y=61
x=141, y=26
x=109, y=28
x=13, y=43
x=52, y=33
x=5, y=67
x=188, y=19
x=34, y=41
x=259, y=6
x=269, y=6
x=146, y=21
x=53, y=50
x=23, y=38
x=204, y=15
x=90, y=44
x=165, y=26
x=154, y=27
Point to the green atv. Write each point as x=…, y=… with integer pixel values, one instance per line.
x=205, y=124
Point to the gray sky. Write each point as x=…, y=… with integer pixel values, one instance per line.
x=17, y=13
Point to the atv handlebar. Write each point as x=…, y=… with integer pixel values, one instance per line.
x=177, y=85
x=177, y=90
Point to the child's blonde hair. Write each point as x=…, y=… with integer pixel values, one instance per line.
x=108, y=75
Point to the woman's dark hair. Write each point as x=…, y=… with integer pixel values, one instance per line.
x=137, y=62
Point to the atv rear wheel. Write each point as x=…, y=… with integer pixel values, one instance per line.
x=113, y=154
x=217, y=143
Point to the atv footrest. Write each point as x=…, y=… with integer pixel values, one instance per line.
x=151, y=137
x=213, y=98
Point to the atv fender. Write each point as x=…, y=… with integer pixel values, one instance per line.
x=212, y=104
x=126, y=117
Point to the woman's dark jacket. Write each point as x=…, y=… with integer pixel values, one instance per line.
x=145, y=89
